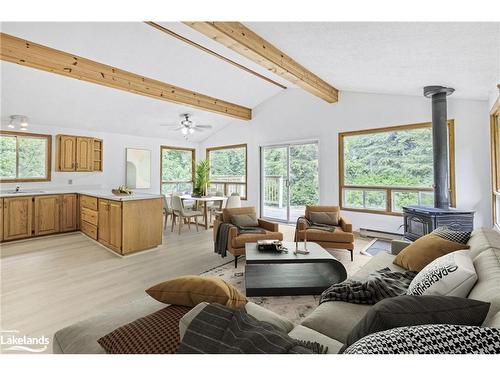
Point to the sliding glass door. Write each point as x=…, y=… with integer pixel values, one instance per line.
x=289, y=180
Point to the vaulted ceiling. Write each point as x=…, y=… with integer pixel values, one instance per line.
x=394, y=58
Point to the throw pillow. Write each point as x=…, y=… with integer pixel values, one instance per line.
x=157, y=333
x=420, y=253
x=430, y=339
x=452, y=235
x=405, y=311
x=245, y=220
x=191, y=290
x=328, y=218
x=450, y=275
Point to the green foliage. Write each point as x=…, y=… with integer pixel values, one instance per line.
x=201, y=178
x=398, y=158
x=31, y=158
x=177, y=170
x=228, y=164
x=304, y=183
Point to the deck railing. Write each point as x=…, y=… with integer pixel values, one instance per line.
x=273, y=191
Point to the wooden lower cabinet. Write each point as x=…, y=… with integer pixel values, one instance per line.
x=110, y=224
x=47, y=214
x=1, y=219
x=18, y=218
x=69, y=212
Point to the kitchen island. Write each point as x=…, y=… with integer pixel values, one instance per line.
x=125, y=224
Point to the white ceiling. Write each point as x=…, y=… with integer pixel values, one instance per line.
x=394, y=58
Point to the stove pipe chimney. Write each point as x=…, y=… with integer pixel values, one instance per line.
x=440, y=143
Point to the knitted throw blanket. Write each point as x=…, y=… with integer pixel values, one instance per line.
x=380, y=284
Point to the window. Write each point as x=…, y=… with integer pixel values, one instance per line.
x=228, y=169
x=25, y=157
x=495, y=160
x=382, y=170
x=177, y=169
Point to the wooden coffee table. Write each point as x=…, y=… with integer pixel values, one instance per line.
x=287, y=274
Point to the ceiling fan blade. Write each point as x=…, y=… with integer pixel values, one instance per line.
x=170, y=125
x=204, y=126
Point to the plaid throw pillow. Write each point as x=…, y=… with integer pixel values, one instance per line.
x=157, y=333
x=452, y=235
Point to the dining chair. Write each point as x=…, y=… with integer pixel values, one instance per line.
x=216, y=207
x=167, y=211
x=233, y=201
x=182, y=213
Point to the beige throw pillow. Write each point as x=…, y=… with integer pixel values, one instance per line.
x=245, y=220
x=191, y=290
x=328, y=218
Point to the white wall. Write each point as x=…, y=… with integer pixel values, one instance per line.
x=296, y=115
x=113, y=174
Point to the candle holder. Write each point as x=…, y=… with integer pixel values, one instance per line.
x=300, y=251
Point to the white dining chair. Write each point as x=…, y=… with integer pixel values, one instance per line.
x=233, y=201
x=182, y=213
x=167, y=211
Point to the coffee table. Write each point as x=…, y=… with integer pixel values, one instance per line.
x=287, y=274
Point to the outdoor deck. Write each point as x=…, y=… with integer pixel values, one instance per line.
x=273, y=212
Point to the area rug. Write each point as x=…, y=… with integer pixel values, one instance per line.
x=294, y=308
x=376, y=246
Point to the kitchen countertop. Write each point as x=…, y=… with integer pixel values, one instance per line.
x=105, y=194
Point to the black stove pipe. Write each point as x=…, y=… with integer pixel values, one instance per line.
x=440, y=143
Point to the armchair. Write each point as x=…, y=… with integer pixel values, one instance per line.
x=341, y=238
x=236, y=242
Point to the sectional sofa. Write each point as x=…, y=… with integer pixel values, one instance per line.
x=329, y=324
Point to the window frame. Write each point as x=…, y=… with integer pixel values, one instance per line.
x=495, y=159
x=218, y=148
x=193, y=164
x=390, y=189
x=48, y=156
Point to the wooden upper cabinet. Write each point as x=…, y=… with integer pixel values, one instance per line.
x=69, y=212
x=18, y=218
x=66, y=153
x=84, y=154
x=78, y=154
x=47, y=214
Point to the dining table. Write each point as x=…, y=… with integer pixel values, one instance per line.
x=204, y=202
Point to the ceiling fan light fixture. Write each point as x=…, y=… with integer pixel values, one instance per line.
x=184, y=131
x=191, y=130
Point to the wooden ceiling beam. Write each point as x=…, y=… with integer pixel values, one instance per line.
x=241, y=39
x=23, y=52
x=213, y=53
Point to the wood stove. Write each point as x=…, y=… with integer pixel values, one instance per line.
x=421, y=220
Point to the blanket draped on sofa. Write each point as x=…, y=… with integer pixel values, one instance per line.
x=380, y=284
x=218, y=329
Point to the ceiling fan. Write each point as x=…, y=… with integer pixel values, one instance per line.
x=187, y=126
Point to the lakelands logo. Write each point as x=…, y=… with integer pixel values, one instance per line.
x=12, y=341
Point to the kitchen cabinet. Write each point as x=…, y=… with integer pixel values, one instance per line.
x=78, y=154
x=47, y=218
x=17, y=218
x=69, y=212
x=110, y=224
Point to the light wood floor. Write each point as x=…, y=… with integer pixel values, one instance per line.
x=51, y=282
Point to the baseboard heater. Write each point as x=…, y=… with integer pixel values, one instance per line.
x=372, y=233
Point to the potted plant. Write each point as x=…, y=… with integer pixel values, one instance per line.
x=201, y=178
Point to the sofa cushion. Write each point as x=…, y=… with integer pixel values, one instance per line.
x=306, y=334
x=81, y=337
x=156, y=333
x=483, y=239
x=325, y=236
x=487, y=288
x=379, y=261
x=450, y=275
x=336, y=319
x=244, y=238
x=406, y=311
x=192, y=289
x=228, y=212
x=424, y=250
x=245, y=220
x=310, y=209
x=452, y=235
x=328, y=218
x=265, y=315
